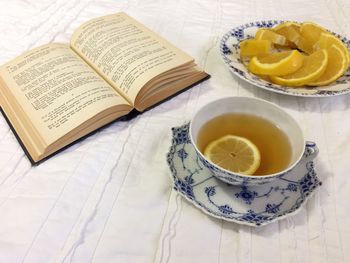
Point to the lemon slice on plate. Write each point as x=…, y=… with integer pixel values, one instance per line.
x=313, y=67
x=254, y=47
x=327, y=40
x=337, y=65
x=290, y=30
x=310, y=33
x=234, y=153
x=276, y=64
x=267, y=34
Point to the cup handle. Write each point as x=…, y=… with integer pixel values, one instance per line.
x=311, y=150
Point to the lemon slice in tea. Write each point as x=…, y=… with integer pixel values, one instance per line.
x=234, y=153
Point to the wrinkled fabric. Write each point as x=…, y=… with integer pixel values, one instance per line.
x=109, y=197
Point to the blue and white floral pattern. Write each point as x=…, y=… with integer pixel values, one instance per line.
x=250, y=205
x=229, y=49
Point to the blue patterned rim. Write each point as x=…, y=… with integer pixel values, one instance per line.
x=229, y=50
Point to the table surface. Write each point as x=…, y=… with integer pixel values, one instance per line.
x=109, y=198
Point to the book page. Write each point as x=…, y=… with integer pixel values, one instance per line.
x=56, y=91
x=125, y=53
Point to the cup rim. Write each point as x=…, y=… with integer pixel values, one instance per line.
x=286, y=170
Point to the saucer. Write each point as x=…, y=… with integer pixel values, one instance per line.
x=230, y=50
x=249, y=205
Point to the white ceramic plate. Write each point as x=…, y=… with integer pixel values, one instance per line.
x=249, y=205
x=229, y=49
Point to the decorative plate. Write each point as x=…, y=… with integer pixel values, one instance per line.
x=249, y=205
x=229, y=49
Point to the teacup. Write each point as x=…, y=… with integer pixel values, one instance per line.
x=259, y=108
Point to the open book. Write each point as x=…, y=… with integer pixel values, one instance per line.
x=57, y=93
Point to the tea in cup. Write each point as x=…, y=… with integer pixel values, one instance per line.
x=246, y=140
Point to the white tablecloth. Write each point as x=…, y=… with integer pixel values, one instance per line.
x=109, y=198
